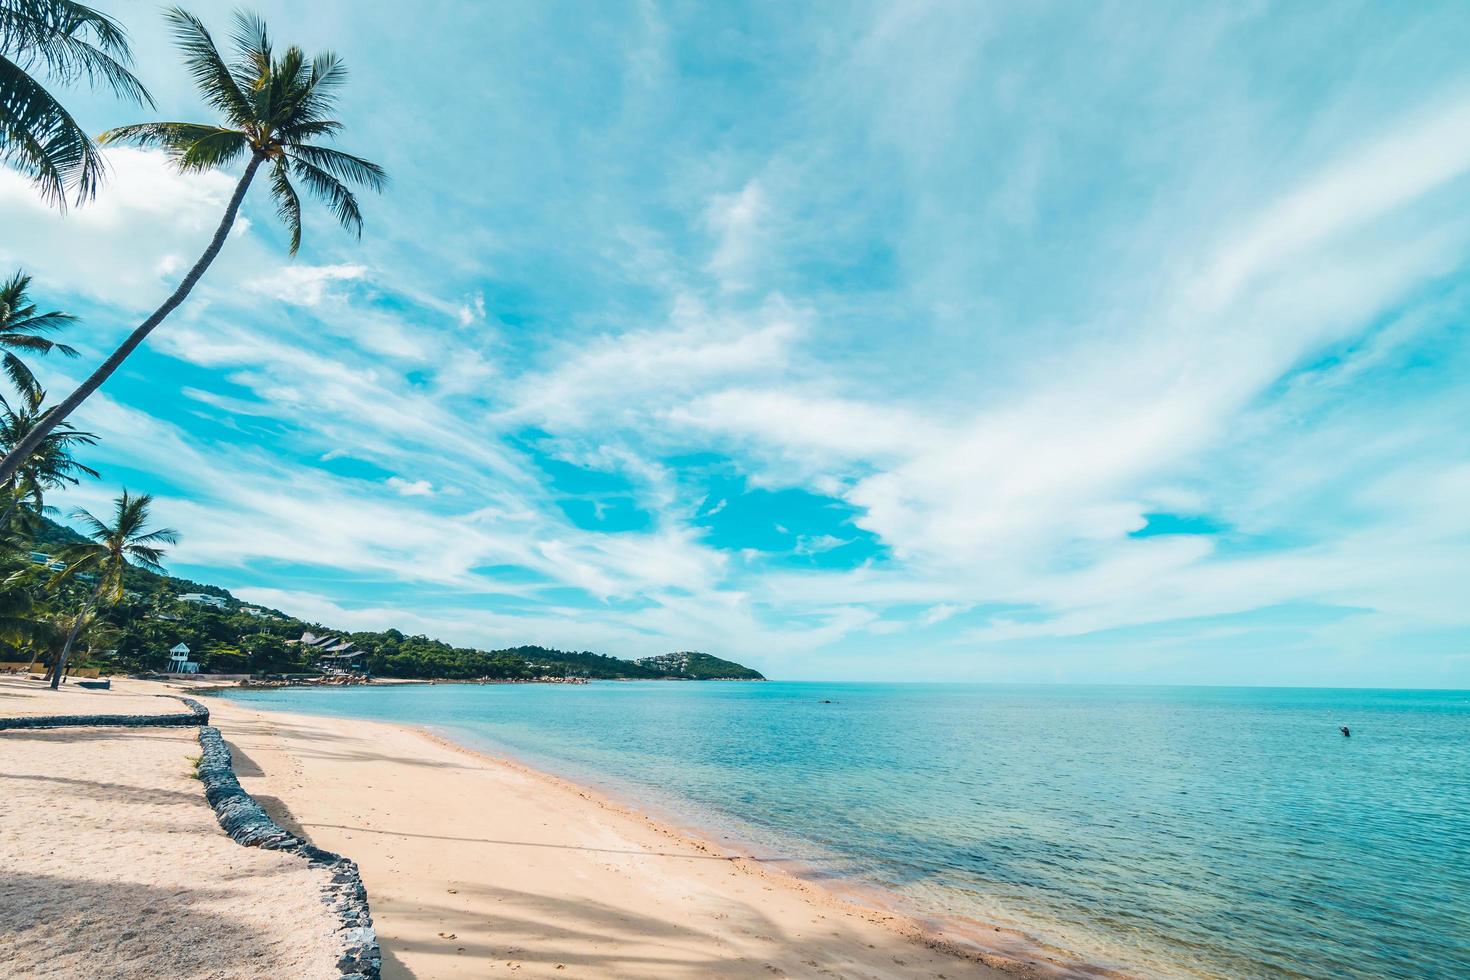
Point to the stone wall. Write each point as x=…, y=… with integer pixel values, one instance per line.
x=248, y=824
x=197, y=714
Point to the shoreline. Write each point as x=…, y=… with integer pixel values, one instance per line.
x=970, y=944
x=1022, y=956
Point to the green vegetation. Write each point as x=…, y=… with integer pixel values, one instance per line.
x=112, y=550
x=149, y=618
x=64, y=42
x=698, y=667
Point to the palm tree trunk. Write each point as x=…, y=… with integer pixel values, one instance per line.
x=76, y=629
x=28, y=445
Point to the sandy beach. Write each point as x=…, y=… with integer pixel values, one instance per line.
x=477, y=866
x=115, y=866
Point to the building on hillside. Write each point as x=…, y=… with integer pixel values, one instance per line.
x=203, y=599
x=347, y=662
x=254, y=611
x=46, y=561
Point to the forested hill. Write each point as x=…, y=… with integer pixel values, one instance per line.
x=697, y=666
x=239, y=637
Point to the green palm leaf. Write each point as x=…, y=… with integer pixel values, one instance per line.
x=69, y=43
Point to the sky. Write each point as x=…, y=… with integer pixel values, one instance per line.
x=1115, y=342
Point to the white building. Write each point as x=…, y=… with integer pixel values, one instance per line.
x=179, y=662
x=202, y=599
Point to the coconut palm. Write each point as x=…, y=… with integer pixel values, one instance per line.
x=275, y=111
x=50, y=467
x=127, y=540
x=22, y=327
x=21, y=628
x=68, y=43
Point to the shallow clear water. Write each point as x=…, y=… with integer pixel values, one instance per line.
x=1225, y=832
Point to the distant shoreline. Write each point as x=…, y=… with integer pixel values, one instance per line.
x=207, y=684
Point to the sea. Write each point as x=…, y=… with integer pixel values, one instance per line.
x=1158, y=831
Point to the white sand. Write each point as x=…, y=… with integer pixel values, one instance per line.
x=21, y=695
x=114, y=866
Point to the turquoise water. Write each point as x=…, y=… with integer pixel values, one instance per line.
x=1224, y=832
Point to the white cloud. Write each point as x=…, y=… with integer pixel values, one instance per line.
x=304, y=285
x=472, y=311
x=125, y=246
x=736, y=219
x=630, y=375
x=411, y=488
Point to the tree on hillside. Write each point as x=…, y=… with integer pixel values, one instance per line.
x=275, y=111
x=109, y=552
x=66, y=42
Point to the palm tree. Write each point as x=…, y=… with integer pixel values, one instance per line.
x=127, y=540
x=70, y=43
x=20, y=626
x=50, y=467
x=274, y=109
x=22, y=327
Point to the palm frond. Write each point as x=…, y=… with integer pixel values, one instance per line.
x=146, y=557
x=176, y=137
x=24, y=341
x=343, y=166
x=328, y=73
x=288, y=204
x=39, y=138
x=72, y=42
x=193, y=147
x=298, y=131
x=38, y=322
x=253, y=44
x=76, y=560
x=218, y=148
x=211, y=75
x=331, y=191
x=286, y=84
x=164, y=535
x=20, y=376
x=95, y=529
x=13, y=295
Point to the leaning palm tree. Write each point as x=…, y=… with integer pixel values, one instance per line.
x=127, y=540
x=23, y=327
x=68, y=43
x=50, y=467
x=274, y=111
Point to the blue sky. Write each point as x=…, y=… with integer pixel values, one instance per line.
x=1108, y=342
